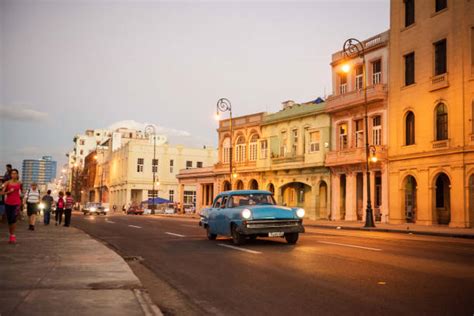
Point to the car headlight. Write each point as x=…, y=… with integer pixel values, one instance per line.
x=41, y=206
x=246, y=213
x=92, y=209
x=300, y=213
x=106, y=209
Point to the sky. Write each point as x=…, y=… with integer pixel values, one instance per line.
x=67, y=66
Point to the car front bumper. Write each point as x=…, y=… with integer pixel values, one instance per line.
x=256, y=227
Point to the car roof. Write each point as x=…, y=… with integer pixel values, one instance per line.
x=245, y=192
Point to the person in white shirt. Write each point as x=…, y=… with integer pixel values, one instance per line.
x=32, y=198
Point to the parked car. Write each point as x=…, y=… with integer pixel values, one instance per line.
x=134, y=210
x=250, y=214
x=92, y=208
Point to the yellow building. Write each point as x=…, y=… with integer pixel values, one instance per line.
x=292, y=149
x=347, y=107
x=282, y=152
x=431, y=111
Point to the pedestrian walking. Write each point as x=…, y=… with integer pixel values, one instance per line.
x=68, y=209
x=47, y=201
x=2, y=203
x=60, y=208
x=32, y=198
x=8, y=174
x=11, y=190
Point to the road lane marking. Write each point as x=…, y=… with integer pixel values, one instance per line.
x=109, y=221
x=241, y=249
x=193, y=226
x=173, y=234
x=134, y=226
x=351, y=246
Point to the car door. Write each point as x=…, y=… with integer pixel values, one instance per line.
x=213, y=214
x=223, y=218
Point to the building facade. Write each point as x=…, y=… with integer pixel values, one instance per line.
x=347, y=107
x=128, y=171
x=431, y=98
x=281, y=152
x=291, y=154
x=39, y=171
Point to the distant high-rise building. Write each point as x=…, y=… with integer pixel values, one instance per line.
x=41, y=171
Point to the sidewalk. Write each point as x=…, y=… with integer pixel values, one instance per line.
x=396, y=228
x=58, y=270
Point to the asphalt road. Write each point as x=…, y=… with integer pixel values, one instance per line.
x=327, y=272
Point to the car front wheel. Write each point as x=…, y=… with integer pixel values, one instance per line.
x=237, y=237
x=210, y=235
x=291, y=238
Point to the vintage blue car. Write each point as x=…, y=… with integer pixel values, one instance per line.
x=251, y=214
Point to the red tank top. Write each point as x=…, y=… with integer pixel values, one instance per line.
x=13, y=198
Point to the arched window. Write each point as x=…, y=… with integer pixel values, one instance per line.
x=226, y=150
x=441, y=122
x=409, y=128
x=253, y=145
x=240, y=149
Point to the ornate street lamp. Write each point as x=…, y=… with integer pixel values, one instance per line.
x=355, y=48
x=224, y=105
x=150, y=129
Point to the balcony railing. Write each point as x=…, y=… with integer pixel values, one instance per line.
x=369, y=44
x=439, y=82
x=289, y=157
x=374, y=93
x=439, y=144
x=353, y=156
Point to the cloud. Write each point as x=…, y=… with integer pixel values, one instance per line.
x=175, y=136
x=22, y=114
x=141, y=127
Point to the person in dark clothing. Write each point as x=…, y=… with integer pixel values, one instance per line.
x=47, y=201
x=60, y=208
x=68, y=209
x=8, y=174
x=2, y=203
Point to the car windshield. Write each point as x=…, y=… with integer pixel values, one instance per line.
x=251, y=199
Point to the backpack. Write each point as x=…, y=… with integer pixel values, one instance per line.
x=61, y=203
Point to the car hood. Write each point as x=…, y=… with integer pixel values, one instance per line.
x=261, y=212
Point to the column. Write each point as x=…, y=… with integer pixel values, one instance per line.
x=458, y=198
x=425, y=198
x=181, y=196
x=335, y=197
x=351, y=196
x=384, y=207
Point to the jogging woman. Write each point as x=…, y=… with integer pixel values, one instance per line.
x=12, y=189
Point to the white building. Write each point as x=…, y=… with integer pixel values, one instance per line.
x=128, y=169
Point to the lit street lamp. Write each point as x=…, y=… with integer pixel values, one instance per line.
x=224, y=105
x=355, y=48
x=150, y=129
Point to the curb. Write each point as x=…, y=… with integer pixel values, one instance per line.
x=400, y=231
x=147, y=305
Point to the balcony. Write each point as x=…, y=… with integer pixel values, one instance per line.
x=338, y=102
x=371, y=43
x=440, y=144
x=439, y=82
x=353, y=156
x=289, y=157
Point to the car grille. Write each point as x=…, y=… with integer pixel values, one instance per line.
x=273, y=223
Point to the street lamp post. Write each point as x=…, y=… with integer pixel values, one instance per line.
x=224, y=105
x=355, y=48
x=150, y=129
